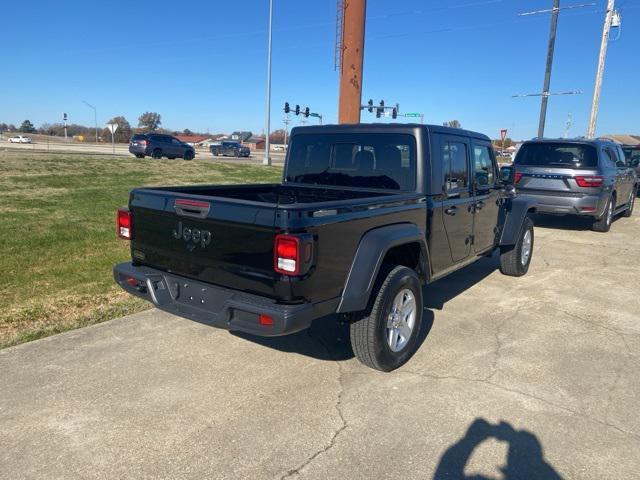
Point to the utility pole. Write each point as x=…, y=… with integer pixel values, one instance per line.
x=547, y=73
x=351, y=50
x=595, y=103
x=286, y=122
x=267, y=146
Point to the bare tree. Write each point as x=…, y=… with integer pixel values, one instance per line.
x=150, y=121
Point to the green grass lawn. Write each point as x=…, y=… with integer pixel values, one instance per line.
x=58, y=242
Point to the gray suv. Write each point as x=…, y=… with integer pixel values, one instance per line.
x=159, y=145
x=576, y=177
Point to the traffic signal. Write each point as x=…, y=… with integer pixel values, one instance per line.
x=297, y=109
x=370, y=103
x=286, y=107
x=306, y=111
x=380, y=109
x=64, y=117
x=394, y=113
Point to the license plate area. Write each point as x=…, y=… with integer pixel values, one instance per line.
x=194, y=294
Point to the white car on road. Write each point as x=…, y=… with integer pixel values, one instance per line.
x=19, y=139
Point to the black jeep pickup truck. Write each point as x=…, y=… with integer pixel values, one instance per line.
x=365, y=215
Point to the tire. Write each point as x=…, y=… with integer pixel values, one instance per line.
x=157, y=153
x=188, y=155
x=629, y=211
x=139, y=155
x=371, y=336
x=603, y=224
x=515, y=259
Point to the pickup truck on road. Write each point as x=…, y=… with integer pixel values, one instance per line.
x=230, y=149
x=364, y=216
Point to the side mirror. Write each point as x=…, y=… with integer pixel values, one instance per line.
x=510, y=191
x=506, y=174
x=635, y=162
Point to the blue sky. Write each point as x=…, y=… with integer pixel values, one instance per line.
x=202, y=64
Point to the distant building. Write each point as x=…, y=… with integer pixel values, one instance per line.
x=624, y=139
x=193, y=140
x=254, y=143
x=241, y=136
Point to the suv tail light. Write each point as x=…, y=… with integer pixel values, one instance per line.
x=124, y=224
x=517, y=176
x=589, y=181
x=292, y=254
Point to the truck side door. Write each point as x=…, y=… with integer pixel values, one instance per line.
x=457, y=207
x=487, y=196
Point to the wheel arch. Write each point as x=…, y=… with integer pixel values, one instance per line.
x=401, y=244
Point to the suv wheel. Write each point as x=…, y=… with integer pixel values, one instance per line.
x=157, y=153
x=188, y=155
x=603, y=224
x=387, y=338
x=515, y=259
x=629, y=211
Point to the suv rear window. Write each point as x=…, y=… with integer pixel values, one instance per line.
x=563, y=155
x=366, y=160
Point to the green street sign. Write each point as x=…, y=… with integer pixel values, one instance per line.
x=412, y=114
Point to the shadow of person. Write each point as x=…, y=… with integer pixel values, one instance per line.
x=525, y=458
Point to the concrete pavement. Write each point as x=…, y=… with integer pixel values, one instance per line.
x=535, y=377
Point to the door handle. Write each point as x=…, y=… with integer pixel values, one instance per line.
x=451, y=210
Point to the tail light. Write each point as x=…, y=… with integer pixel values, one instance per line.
x=517, y=176
x=124, y=224
x=143, y=143
x=589, y=181
x=292, y=254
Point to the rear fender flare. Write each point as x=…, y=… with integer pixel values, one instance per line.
x=515, y=211
x=371, y=251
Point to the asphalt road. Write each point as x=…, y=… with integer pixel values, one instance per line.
x=107, y=149
x=533, y=377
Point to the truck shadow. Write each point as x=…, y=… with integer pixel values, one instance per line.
x=328, y=338
x=525, y=457
x=562, y=222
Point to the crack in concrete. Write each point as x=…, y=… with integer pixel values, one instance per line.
x=618, y=375
x=525, y=394
x=338, y=406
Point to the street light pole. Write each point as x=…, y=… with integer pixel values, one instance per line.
x=95, y=117
x=267, y=146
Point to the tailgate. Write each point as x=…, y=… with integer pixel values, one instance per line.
x=217, y=240
x=557, y=180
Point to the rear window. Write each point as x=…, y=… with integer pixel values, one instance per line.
x=138, y=137
x=563, y=155
x=631, y=153
x=366, y=160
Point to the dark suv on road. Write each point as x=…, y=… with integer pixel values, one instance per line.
x=159, y=145
x=576, y=177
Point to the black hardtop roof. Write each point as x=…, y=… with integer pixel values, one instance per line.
x=409, y=128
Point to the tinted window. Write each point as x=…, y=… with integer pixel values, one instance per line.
x=483, y=165
x=138, y=137
x=455, y=165
x=365, y=160
x=564, y=155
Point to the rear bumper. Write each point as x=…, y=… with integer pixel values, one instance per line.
x=566, y=204
x=218, y=306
